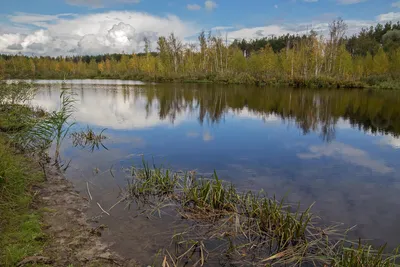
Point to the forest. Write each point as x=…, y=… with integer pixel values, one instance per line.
x=370, y=58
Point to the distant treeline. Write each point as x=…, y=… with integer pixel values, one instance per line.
x=369, y=58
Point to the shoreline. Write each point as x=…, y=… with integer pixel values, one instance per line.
x=55, y=211
x=313, y=83
x=75, y=242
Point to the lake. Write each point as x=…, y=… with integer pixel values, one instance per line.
x=337, y=148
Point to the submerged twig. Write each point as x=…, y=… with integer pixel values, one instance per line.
x=90, y=195
x=119, y=201
x=103, y=209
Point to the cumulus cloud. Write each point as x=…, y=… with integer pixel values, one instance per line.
x=15, y=47
x=348, y=154
x=392, y=141
x=36, y=46
x=90, y=3
x=222, y=28
x=396, y=4
x=99, y=3
x=109, y=32
x=210, y=5
x=193, y=7
x=391, y=16
x=247, y=114
x=119, y=37
x=257, y=32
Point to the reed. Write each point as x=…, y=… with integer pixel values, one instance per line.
x=40, y=134
x=12, y=93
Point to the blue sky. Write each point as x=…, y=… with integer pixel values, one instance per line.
x=96, y=26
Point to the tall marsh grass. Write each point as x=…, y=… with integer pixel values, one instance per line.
x=250, y=228
x=52, y=128
x=12, y=93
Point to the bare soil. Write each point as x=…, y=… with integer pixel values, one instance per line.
x=72, y=239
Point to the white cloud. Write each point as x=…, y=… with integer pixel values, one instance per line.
x=346, y=153
x=275, y=6
x=16, y=47
x=193, y=7
x=245, y=113
x=108, y=108
x=396, y=4
x=99, y=3
x=258, y=32
x=109, y=32
x=210, y=5
x=90, y=3
x=36, y=19
x=392, y=141
x=13, y=29
x=222, y=28
x=320, y=27
x=391, y=16
x=350, y=2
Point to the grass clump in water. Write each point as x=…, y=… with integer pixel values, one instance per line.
x=247, y=228
x=365, y=255
x=209, y=194
x=88, y=139
x=151, y=182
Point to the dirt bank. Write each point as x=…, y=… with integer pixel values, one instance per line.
x=72, y=240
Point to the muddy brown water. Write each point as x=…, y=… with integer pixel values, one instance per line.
x=338, y=148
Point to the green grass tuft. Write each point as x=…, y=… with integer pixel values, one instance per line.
x=250, y=227
x=20, y=226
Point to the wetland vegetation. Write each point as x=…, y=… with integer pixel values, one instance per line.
x=242, y=227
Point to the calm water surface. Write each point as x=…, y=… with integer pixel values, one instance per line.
x=337, y=148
